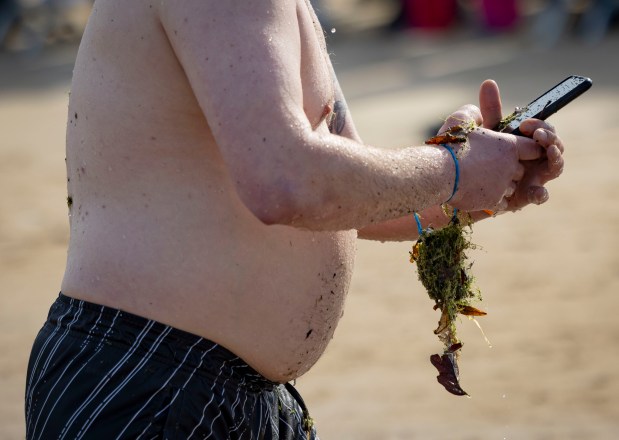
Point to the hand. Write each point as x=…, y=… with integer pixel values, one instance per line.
x=489, y=164
x=530, y=188
x=537, y=173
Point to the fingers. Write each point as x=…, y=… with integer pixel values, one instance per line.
x=502, y=205
x=543, y=132
x=545, y=142
x=546, y=138
x=537, y=195
x=511, y=189
x=528, y=126
x=527, y=149
x=490, y=104
x=555, y=162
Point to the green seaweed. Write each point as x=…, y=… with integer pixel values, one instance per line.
x=444, y=270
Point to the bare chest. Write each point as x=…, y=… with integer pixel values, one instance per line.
x=316, y=71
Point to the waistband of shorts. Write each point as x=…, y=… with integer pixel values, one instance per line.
x=167, y=344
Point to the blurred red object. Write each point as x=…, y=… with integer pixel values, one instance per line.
x=499, y=14
x=431, y=14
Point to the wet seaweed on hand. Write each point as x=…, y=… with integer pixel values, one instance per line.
x=444, y=271
x=454, y=134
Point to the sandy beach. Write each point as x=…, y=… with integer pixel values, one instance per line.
x=549, y=275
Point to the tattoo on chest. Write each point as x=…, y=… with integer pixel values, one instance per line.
x=337, y=120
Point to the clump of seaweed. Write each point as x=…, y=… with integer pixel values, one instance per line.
x=444, y=270
x=454, y=134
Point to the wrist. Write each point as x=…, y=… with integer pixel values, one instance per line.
x=447, y=175
x=432, y=174
x=453, y=156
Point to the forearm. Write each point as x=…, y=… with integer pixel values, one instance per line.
x=405, y=228
x=370, y=200
x=334, y=183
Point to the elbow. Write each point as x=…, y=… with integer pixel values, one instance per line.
x=283, y=202
x=271, y=214
x=286, y=189
x=271, y=203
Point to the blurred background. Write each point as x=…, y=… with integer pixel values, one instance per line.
x=549, y=274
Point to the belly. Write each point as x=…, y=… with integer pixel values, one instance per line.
x=273, y=295
x=294, y=305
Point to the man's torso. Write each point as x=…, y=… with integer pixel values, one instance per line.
x=157, y=228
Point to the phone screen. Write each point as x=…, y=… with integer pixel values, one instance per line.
x=548, y=103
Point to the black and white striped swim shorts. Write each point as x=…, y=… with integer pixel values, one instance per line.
x=99, y=373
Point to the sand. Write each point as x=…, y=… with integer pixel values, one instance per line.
x=549, y=274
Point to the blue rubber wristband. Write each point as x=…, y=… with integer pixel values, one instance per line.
x=457, y=179
x=419, y=228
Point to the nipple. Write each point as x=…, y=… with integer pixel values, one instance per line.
x=326, y=111
x=326, y=115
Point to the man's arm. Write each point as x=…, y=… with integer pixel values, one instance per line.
x=243, y=60
x=529, y=190
x=399, y=229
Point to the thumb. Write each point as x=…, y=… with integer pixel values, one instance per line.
x=490, y=104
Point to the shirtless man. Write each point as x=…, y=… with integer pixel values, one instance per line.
x=214, y=216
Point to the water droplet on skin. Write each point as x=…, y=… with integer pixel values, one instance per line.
x=333, y=30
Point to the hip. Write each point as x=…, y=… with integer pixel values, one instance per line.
x=98, y=369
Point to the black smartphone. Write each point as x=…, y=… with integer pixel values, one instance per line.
x=547, y=104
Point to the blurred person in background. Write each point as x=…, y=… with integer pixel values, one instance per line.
x=493, y=15
x=558, y=17
x=216, y=187
x=597, y=20
x=499, y=15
